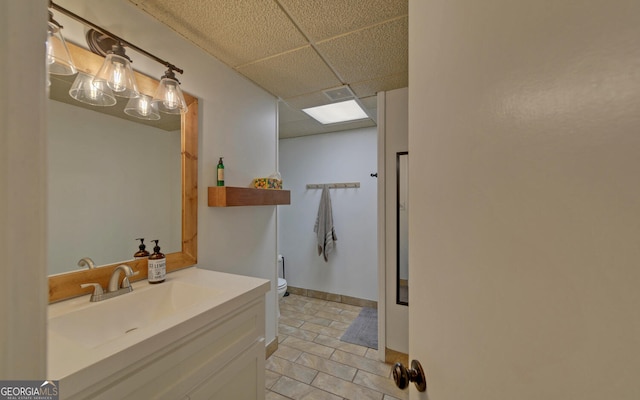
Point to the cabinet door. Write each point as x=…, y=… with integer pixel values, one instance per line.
x=242, y=378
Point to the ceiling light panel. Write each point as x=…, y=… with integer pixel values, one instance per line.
x=337, y=112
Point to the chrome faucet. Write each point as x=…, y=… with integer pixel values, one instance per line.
x=115, y=288
x=86, y=262
x=114, y=284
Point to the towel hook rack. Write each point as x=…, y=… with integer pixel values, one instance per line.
x=337, y=185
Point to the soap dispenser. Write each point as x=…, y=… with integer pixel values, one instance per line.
x=157, y=265
x=141, y=253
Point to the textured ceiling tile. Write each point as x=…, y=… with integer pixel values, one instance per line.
x=371, y=106
x=291, y=74
x=373, y=86
x=370, y=102
x=322, y=19
x=370, y=53
x=289, y=114
x=236, y=32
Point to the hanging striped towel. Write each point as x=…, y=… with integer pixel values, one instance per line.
x=325, y=232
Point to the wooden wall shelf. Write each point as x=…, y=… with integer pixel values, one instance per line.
x=229, y=196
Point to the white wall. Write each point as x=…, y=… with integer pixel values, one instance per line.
x=136, y=196
x=23, y=266
x=348, y=156
x=524, y=141
x=237, y=120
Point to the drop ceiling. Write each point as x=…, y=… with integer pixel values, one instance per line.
x=297, y=49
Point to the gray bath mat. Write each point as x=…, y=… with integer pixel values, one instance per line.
x=364, y=329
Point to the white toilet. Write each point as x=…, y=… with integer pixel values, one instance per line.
x=282, y=287
x=282, y=283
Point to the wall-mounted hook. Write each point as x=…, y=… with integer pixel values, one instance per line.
x=374, y=175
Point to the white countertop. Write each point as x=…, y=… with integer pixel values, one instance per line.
x=67, y=357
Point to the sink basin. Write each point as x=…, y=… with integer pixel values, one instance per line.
x=138, y=339
x=101, y=322
x=87, y=342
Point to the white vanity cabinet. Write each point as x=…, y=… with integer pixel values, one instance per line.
x=215, y=354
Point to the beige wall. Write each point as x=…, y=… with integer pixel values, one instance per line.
x=23, y=283
x=524, y=135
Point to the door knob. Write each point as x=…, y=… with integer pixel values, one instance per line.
x=402, y=376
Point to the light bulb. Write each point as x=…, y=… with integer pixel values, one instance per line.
x=171, y=101
x=93, y=92
x=117, y=77
x=85, y=90
x=117, y=74
x=143, y=106
x=168, y=97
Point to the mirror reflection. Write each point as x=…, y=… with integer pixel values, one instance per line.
x=111, y=180
x=402, y=234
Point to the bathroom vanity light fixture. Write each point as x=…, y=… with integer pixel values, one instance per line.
x=142, y=107
x=86, y=90
x=333, y=113
x=116, y=76
x=116, y=72
x=58, y=58
x=168, y=97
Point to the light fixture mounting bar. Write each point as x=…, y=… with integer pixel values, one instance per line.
x=116, y=37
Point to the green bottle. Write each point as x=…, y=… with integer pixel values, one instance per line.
x=220, y=173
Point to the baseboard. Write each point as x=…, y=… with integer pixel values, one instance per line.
x=272, y=347
x=338, y=298
x=392, y=357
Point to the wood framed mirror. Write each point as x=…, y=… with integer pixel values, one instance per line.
x=67, y=285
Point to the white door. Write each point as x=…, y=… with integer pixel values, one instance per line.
x=525, y=201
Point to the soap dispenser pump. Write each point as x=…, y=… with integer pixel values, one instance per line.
x=141, y=253
x=157, y=265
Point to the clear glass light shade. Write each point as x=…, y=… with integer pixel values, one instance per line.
x=87, y=91
x=117, y=73
x=169, y=97
x=142, y=107
x=58, y=56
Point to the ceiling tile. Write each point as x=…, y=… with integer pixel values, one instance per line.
x=371, y=106
x=322, y=19
x=289, y=114
x=291, y=74
x=370, y=102
x=369, y=53
x=384, y=83
x=236, y=32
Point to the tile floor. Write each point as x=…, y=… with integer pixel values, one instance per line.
x=312, y=363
